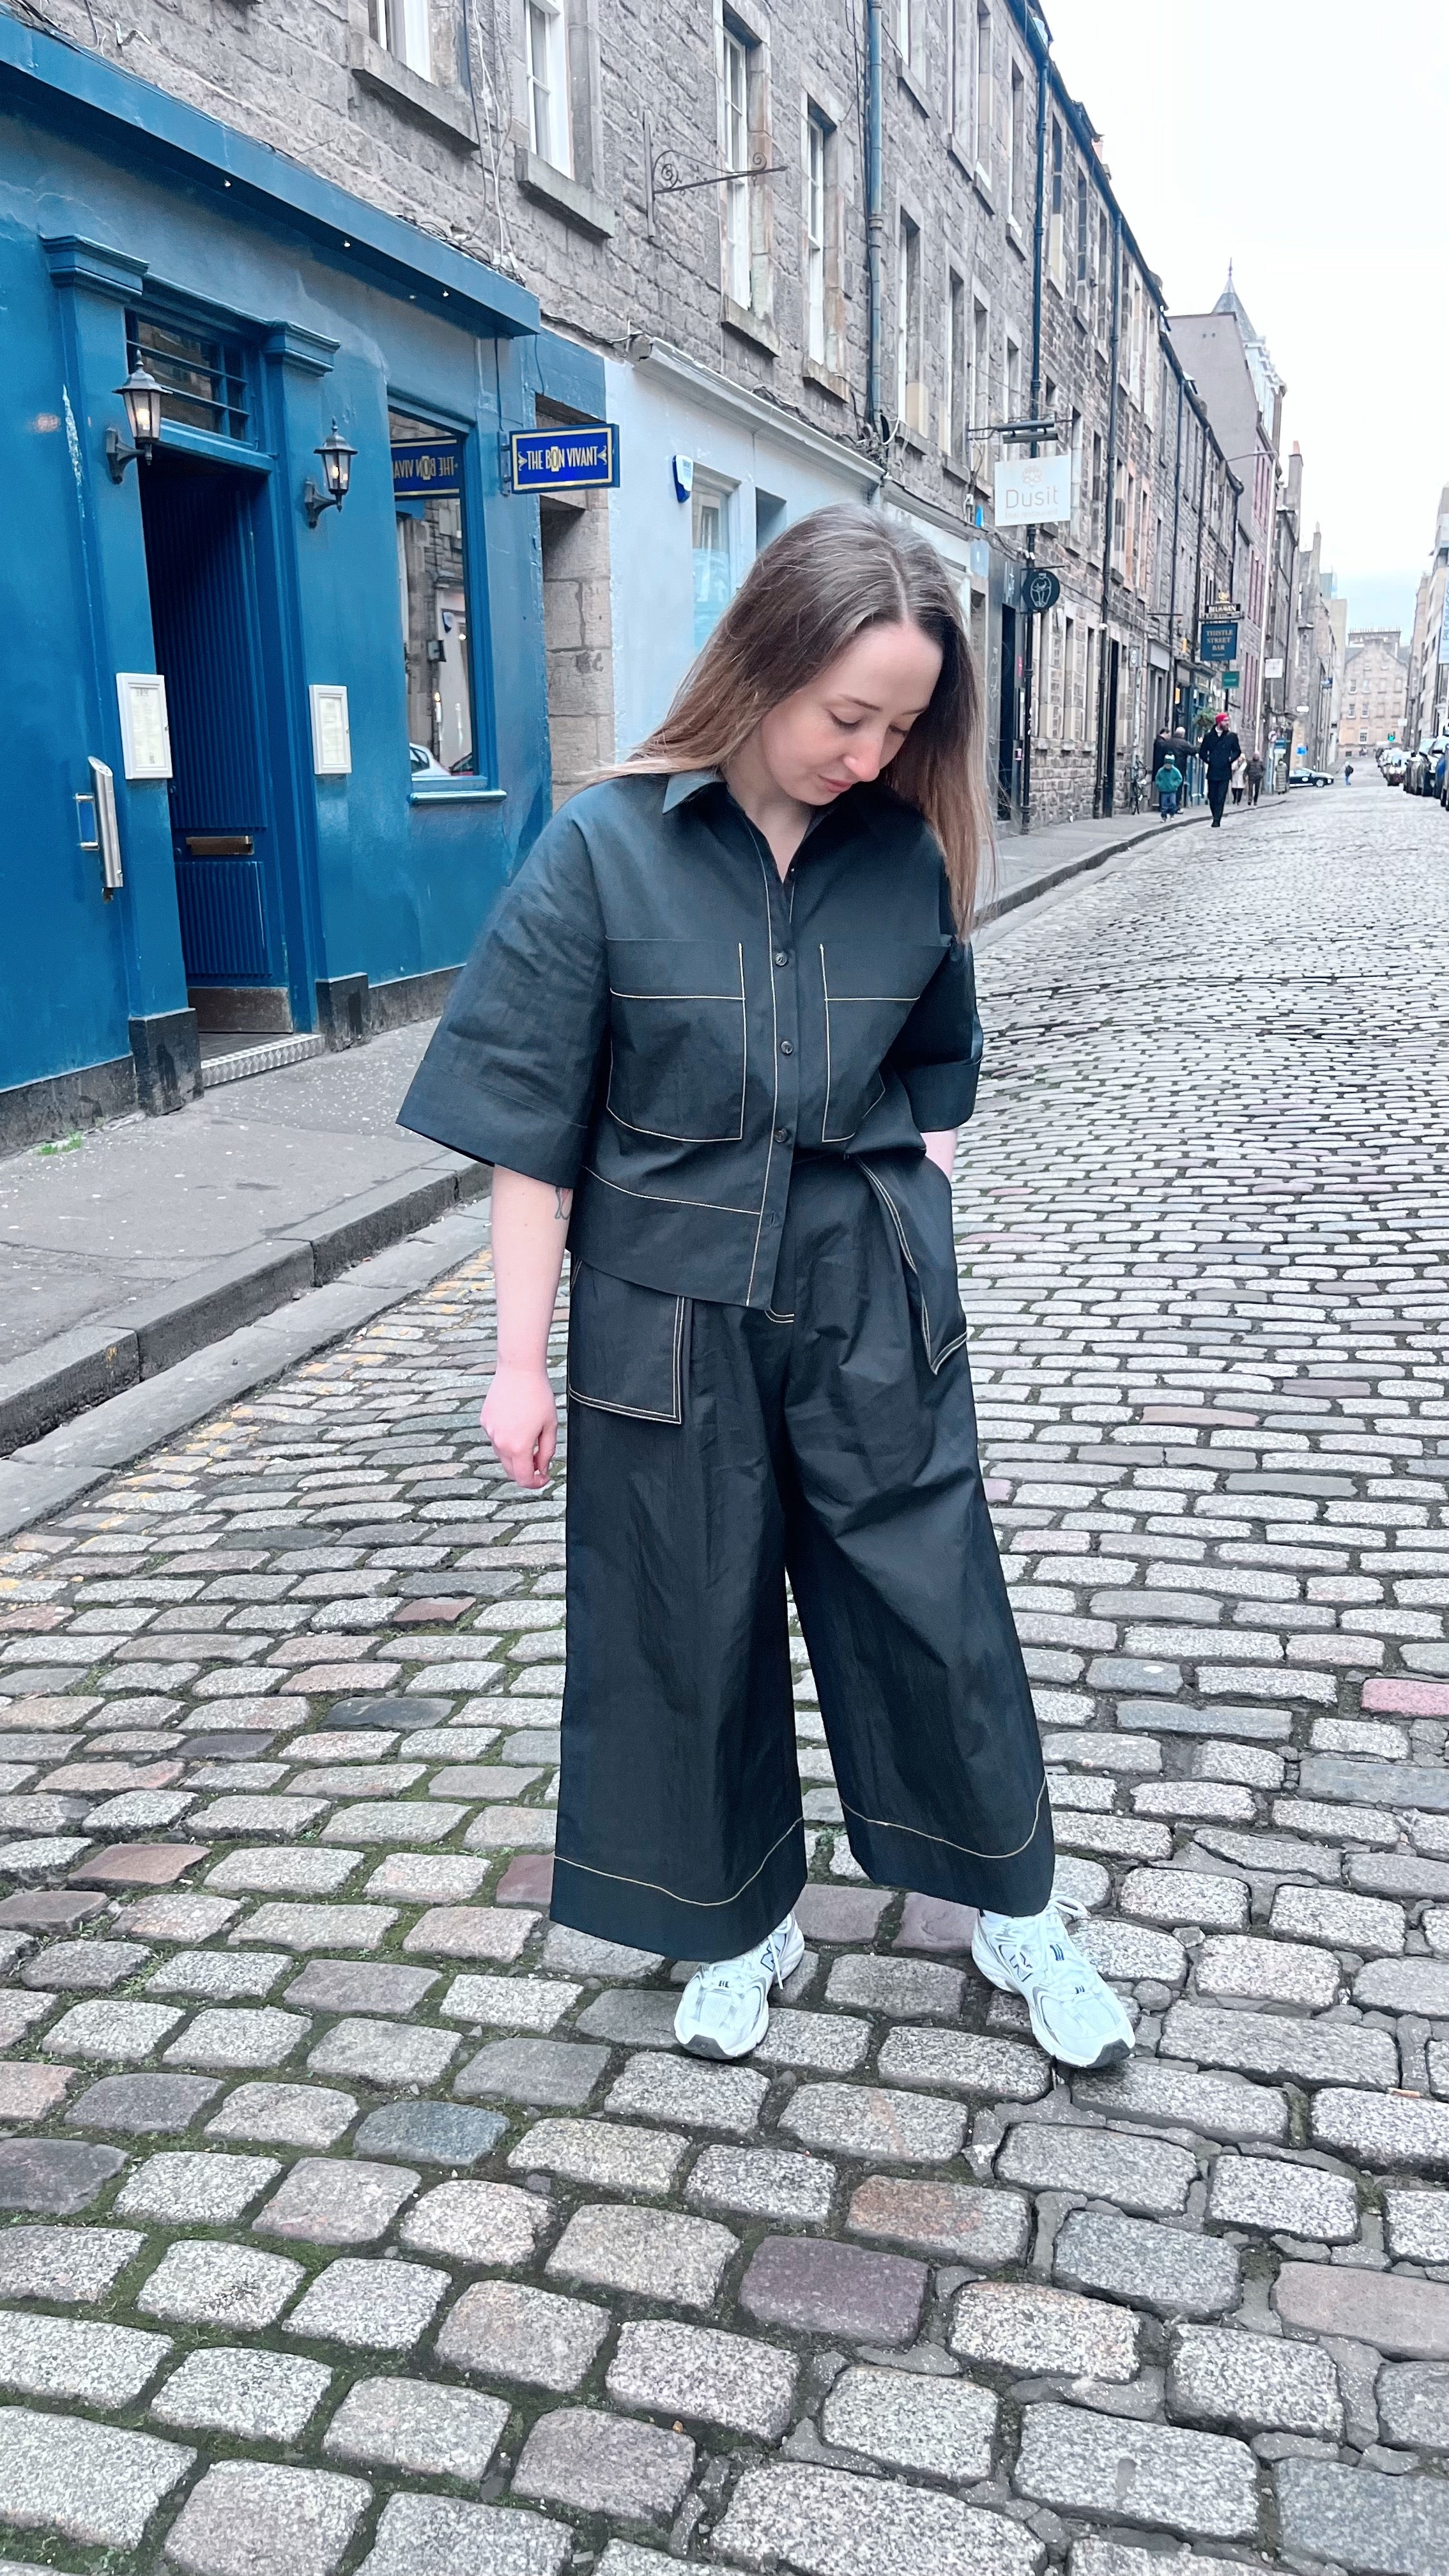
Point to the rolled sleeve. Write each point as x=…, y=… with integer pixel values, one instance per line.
x=938, y=1052
x=512, y=1069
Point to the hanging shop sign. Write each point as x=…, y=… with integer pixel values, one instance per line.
x=1041, y=590
x=423, y=468
x=1219, y=639
x=565, y=460
x=1031, y=490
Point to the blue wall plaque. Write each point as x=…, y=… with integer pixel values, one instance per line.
x=1220, y=639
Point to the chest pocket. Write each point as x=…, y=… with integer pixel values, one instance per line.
x=677, y=1039
x=869, y=988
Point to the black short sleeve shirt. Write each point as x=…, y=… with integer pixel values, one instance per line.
x=654, y=1019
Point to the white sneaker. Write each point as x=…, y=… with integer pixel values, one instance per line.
x=725, y=2008
x=1074, y=2014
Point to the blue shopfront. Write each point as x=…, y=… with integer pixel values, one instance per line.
x=294, y=639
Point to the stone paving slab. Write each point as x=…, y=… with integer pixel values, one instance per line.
x=354, y=2217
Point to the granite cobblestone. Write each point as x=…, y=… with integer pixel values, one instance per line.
x=302, y=2095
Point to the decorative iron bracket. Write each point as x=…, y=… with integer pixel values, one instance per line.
x=662, y=174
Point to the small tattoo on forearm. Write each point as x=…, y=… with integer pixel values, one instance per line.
x=562, y=1201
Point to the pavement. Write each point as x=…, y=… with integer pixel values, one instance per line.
x=126, y=1250
x=358, y=2219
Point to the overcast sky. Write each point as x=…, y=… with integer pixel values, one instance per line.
x=1308, y=142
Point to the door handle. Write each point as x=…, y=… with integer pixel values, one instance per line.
x=105, y=831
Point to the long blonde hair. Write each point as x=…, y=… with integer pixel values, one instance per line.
x=805, y=599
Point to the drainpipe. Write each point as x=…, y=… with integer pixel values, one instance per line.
x=1176, y=524
x=874, y=221
x=1039, y=49
x=1109, y=506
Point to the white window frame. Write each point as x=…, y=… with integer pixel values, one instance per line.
x=712, y=492
x=403, y=30
x=735, y=140
x=816, y=160
x=550, y=126
x=983, y=92
x=979, y=398
x=910, y=327
x=956, y=384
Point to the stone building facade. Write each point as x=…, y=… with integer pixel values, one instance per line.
x=690, y=195
x=1426, y=711
x=1375, y=678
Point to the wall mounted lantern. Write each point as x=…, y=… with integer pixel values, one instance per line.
x=142, y=397
x=337, y=459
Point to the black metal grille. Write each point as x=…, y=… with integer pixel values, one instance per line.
x=203, y=380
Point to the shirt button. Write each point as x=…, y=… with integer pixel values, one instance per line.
x=782, y=956
x=786, y=1047
x=782, y=1135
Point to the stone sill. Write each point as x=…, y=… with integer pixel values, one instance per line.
x=749, y=326
x=827, y=378
x=914, y=88
x=439, y=109
x=564, y=196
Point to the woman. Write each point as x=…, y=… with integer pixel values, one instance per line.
x=1239, y=775
x=719, y=1036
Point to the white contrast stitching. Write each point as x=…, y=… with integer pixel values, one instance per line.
x=887, y=1825
x=643, y=1412
x=732, y=1135
x=701, y=1904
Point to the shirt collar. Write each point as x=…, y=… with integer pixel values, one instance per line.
x=686, y=783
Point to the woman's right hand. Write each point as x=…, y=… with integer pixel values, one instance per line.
x=520, y=1417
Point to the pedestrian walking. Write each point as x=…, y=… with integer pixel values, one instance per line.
x=1348, y=773
x=720, y=1034
x=1255, y=778
x=1160, y=749
x=1239, y=778
x=1219, y=749
x=1168, y=783
x=1181, y=750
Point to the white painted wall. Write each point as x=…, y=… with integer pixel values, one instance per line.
x=650, y=549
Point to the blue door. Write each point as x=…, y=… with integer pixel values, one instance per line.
x=201, y=567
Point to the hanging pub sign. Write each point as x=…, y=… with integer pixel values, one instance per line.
x=1219, y=639
x=565, y=459
x=423, y=468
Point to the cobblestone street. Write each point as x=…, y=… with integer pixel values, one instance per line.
x=357, y=2218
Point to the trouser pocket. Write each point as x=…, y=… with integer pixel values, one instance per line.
x=627, y=1347
x=915, y=1197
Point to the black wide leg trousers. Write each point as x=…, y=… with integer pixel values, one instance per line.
x=712, y=1451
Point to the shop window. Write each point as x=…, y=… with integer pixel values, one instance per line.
x=427, y=469
x=710, y=507
x=401, y=28
x=203, y=379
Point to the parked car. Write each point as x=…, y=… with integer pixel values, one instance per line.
x=1420, y=775
x=1309, y=778
x=1393, y=764
x=423, y=763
